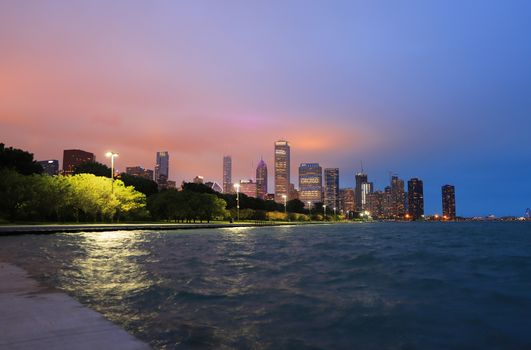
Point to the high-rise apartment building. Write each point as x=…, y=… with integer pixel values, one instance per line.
x=376, y=204
x=331, y=187
x=261, y=180
x=162, y=168
x=398, y=206
x=347, y=200
x=366, y=189
x=361, y=178
x=282, y=170
x=448, y=202
x=310, y=183
x=140, y=172
x=227, y=175
x=49, y=167
x=415, y=189
x=74, y=157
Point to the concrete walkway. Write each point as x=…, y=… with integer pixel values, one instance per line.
x=32, y=317
x=11, y=229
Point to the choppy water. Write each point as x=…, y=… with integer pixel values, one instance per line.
x=354, y=286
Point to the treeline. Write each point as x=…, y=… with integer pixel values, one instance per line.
x=82, y=197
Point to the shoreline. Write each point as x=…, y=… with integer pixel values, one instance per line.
x=37, y=317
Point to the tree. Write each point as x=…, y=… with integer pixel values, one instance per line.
x=94, y=168
x=143, y=185
x=295, y=206
x=18, y=160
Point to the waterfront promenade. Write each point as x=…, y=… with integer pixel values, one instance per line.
x=34, y=317
x=18, y=229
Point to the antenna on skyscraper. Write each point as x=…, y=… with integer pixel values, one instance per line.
x=361, y=163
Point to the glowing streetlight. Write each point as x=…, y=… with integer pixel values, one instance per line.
x=310, y=209
x=237, y=187
x=324, y=211
x=112, y=155
x=285, y=205
x=334, y=213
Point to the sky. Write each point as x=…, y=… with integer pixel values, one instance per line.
x=439, y=90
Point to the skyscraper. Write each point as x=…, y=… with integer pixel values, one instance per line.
x=448, y=202
x=74, y=157
x=282, y=170
x=366, y=189
x=140, y=172
x=50, y=167
x=398, y=198
x=361, y=178
x=261, y=180
x=347, y=200
x=415, y=189
x=248, y=188
x=310, y=183
x=227, y=174
x=162, y=168
x=331, y=188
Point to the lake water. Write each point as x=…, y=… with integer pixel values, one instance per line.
x=347, y=286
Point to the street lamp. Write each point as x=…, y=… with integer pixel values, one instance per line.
x=324, y=212
x=112, y=155
x=310, y=209
x=334, y=213
x=237, y=187
x=285, y=205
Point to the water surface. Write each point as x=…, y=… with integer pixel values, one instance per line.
x=363, y=286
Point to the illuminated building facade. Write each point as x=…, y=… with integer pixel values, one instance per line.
x=282, y=170
x=227, y=175
x=50, y=167
x=74, y=157
x=376, y=204
x=162, y=169
x=398, y=199
x=366, y=189
x=331, y=187
x=361, y=178
x=347, y=200
x=310, y=183
x=248, y=188
x=140, y=172
x=415, y=189
x=448, y=202
x=261, y=180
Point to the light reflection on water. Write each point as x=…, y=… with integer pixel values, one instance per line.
x=380, y=286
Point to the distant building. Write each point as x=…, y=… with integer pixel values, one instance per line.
x=310, y=183
x=198, y=179
x=162, y=169
x=140, y=172
x=361, y=178
x=331, y=187
x=366, y=189
x=170, y=184
x=215, y=186
x=415, y=189
x=74, y=157
x=248, y=188
x=270, y=197
x=227, y=175
x=398, y=199
x=448, y=202
x=347, y=200
x=261, y=179
x=376, y=204
x=293, y=193
x=50, y=167
x=282, y=170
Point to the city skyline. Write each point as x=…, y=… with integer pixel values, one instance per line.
x=390, y=84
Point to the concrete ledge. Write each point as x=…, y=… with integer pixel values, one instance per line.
x=32, y=317
x=16, y=229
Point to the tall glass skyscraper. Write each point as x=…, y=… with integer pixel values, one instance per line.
x=227, y=174
x=331, y=188
x=361, y=178
x=282, y=170
x=310, y=183
x=398, y=206
x=162, y=168
x=448, y=202
x=261, y=180
x=415, y=194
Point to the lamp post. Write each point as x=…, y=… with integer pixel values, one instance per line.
x=112, y=155
x=285, y=205
x=310, y=209
x=334, y=213
x=237, y=187
x=324, y=212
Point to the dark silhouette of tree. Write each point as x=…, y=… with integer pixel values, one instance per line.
x=94, y=168
x=18, y=160
x=296, y=206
